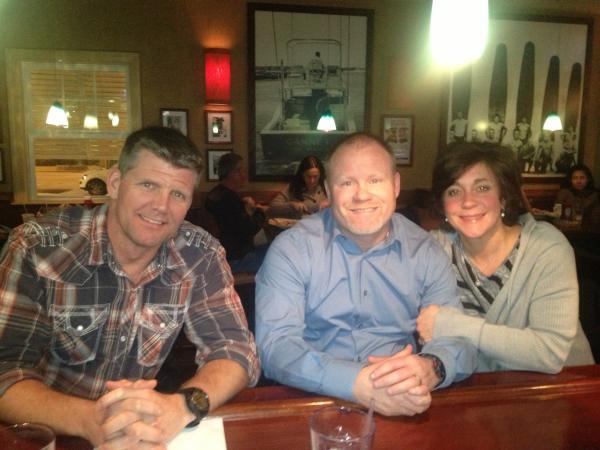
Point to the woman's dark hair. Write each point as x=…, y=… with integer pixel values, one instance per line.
x=589, y=187
x=453, y=162
x=297, y=186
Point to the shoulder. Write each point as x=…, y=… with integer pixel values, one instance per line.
x=192, y=240
x=542, y=235
x=411, y=236
x=57, y=227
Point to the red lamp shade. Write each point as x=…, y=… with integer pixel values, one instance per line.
x=217, y=75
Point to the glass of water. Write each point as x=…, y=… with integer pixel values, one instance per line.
x=341, y=428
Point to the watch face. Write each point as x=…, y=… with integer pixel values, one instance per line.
x=200, y=400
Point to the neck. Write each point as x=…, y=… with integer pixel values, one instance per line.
x=488, y=252
x=231, y=184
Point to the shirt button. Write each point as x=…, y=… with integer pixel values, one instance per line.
x=79, y=327
x=162, y=325
x=365, y=292
x=122, y=338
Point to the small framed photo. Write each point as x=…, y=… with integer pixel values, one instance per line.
x=175, y=118
x=398, y=130
x=212, y=163
x=218, y=127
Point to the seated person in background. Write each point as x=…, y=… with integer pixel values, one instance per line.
x=578, y=190
x=516, y=276
x=338, y=294
x=305, y=194
x=239, y=219
x=91, y=301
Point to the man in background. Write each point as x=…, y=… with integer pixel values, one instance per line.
x=238, y=218
x=338, y=294
x=92, y=300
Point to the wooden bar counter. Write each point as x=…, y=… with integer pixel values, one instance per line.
x=503, y=410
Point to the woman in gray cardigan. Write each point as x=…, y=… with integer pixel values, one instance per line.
x=516, y=276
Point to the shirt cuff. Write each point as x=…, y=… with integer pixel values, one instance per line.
x=338, y=378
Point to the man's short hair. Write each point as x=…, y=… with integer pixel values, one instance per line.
x=227, y=164
x=360, y=140
x=168, y=144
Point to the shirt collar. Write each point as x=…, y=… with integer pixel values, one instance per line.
x=392, y=237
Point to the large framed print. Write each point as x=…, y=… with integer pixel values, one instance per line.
x=304, y=62
x=397, y=131
x=532, y=67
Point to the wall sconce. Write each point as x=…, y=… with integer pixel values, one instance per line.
x=217, y=75
x=458, y=31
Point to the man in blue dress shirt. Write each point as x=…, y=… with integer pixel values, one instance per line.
x=338, y=294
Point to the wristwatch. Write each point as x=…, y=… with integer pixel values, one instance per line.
x=197, y=402
x=438, y=366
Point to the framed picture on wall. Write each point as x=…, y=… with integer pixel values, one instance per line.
x=175, y=118
x=397, y=130
x=212, y=162
x=304, y=63
x=218, y=127
x=531, y=68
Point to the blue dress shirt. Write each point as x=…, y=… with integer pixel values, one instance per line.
x=323, y=305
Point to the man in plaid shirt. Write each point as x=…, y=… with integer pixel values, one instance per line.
x=91, y=302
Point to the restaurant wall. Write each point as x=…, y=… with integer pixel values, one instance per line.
x=170, y=35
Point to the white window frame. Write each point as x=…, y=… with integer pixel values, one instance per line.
x=21, y=138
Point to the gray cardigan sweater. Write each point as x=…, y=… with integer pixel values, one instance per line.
x=533, y=323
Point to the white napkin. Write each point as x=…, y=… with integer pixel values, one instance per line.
x=209, y=435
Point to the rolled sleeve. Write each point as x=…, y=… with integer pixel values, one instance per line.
x=217, y=324
x=24, y=335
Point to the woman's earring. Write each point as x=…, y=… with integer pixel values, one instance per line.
x=446, y=219
x=502, y=213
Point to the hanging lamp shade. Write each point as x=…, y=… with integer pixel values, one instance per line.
x=458, y=31
x=217, y=76
x=57, y=115
x=90, y=122
x=552, y=122
x=326, y=122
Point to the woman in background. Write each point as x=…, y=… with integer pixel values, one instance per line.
x=516, y=277
x=578, y=190
x=305, y=194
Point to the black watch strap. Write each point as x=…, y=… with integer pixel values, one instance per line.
x=197, y=402
x=438, y=366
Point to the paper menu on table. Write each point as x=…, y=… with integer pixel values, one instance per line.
x=209, y=435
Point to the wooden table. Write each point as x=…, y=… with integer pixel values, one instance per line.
x=503, y=410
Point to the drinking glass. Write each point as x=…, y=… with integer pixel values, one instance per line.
x=341, y=428
x=27, y=436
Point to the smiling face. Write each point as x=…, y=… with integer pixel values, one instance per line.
x=363, y=190
x=472, y=203
x=148, y=204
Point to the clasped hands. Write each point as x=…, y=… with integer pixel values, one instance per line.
x=133, y=415
x=400, y=384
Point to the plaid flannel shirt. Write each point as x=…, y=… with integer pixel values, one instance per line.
x=70, y=317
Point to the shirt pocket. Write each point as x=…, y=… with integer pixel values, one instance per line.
x=77, y=332
x=159, y=326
